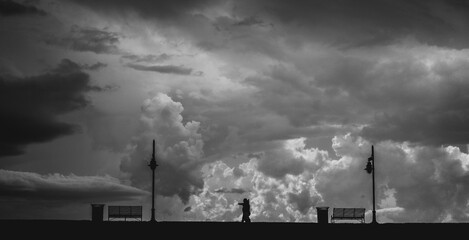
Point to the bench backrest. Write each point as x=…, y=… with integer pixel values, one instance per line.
x=348, y=213
x=124, y=211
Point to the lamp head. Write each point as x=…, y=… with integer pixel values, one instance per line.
x=153, y=164
x=369, y=167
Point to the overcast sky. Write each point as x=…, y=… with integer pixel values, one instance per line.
x=276, y=101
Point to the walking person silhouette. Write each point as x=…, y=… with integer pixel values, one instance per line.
x=246, y=210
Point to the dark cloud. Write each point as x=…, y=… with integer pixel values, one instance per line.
x=249, y=21
x=148, y=58
x=105, y=88
x=88, y=39
x=30, y=106
x=278, y=163
x=311, y=105
x=342, y=89
x=57, y=187
x=169, y=69
x=110, y=131
x=340, y=22
x=292, y=158
x=67, y=65
x=368, y=22
x=425, y=126
x=411, y=94
x=28, y=195
x=237, y=172
x=239, y=26
x=175, y=180
x=12, y=8
x=95, y=66
x=238, y=124
x=303, y=200
x=417, y=116
x=163, y=10
x=232, y=190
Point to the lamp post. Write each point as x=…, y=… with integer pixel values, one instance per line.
x=153, y=166
x=370, y=168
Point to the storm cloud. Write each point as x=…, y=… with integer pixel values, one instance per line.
x=340, y=22
x=367, y=22
x=31, y=106
x=288, y=100
x=147, y=58
x=88, y=39
x=12, y=8
x=233, y=190
x=72, y=188
x=59, y=193
x=164, y=10
x=430, y=100
x=169, y=69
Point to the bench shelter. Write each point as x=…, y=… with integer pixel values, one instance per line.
x=124, y=212
x=348, y=214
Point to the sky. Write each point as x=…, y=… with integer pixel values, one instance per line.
x=275, y=101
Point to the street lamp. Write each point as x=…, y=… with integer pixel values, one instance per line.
x=153, y=166
x=370, y=168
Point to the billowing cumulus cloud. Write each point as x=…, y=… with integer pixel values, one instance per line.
x=179, y=149
x=280, y=189
x=289, y=199
x=342, y=182
x=31, y=106
x=409, y=178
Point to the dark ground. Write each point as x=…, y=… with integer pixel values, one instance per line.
x=64, y=229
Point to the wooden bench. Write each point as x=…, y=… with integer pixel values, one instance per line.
x=348, y=214
x=125, y=212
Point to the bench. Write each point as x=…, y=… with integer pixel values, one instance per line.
x=125, y=212
x=348, y=214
